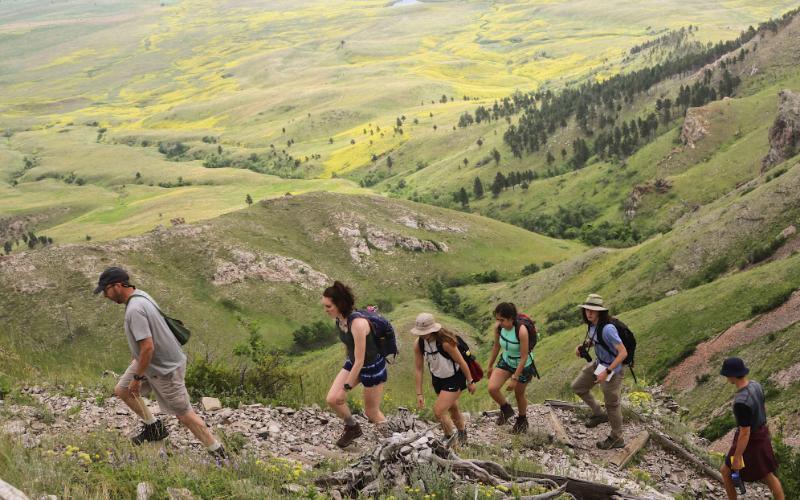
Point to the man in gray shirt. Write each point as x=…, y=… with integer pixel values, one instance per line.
x=158, y=366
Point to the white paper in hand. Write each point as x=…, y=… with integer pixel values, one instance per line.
x=600, y=369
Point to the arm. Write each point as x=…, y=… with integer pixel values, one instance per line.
x=737, y=461
x=456, y=356
x=418, y=362
x=360, y=329
x=622, y=353
x=146, y=350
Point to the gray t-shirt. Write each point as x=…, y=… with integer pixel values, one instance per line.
x=142, y=320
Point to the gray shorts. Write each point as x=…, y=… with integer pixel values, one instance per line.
x=169, y=389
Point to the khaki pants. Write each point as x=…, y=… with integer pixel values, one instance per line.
x=612, y=393
x=170, y=389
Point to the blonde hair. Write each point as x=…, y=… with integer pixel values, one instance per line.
x=445, y=335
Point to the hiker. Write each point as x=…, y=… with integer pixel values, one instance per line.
x=364, y=364
x=605, y=371
x=750, y=455
x=516, y=334
x=158, y=366
x=450, y=374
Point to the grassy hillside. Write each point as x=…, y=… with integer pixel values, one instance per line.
x=262, y=269
x=105, y=104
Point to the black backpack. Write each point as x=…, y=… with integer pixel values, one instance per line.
x=475, y=370
x=385, y=338
x=628, y=340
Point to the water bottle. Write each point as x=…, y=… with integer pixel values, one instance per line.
x=737, y=482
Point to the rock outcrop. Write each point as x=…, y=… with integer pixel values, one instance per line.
x=267, y=267
x=695, y=127
x=784, y=135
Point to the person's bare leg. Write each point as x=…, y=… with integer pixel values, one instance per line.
x=196, y=425
x=496, y=381
x=727, y=482
x=774, y=485
x=337, y=397
x=457, y=417
x=373, y=397
x=444, y=401
x=522, y=400
x=136, y=404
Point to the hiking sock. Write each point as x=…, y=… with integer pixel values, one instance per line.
x=350, y=421
x=214, y=447
x=150, y=421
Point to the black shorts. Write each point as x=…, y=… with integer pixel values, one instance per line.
x=450, y=384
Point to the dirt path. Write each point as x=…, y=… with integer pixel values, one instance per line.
x=683, y=376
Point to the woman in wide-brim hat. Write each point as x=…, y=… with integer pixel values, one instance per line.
x=751, y=453
x=438, y=347
x=610, y=352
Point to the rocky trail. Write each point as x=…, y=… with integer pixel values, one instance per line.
x=557, y=439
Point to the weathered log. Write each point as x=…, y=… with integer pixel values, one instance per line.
x=623, y=456
x=580, y=488
x=667, y=443
x=558, y=429
x=556, y=403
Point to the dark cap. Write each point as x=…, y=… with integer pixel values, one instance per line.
x=734, y=367
x=110, y=276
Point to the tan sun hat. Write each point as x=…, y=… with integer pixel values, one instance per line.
x=593, y=302
x=425, y=324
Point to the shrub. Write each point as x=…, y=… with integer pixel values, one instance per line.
x=702, y=379
x=530, y=269
x=314, y=336
x=763, y=251
x=718, y=426
x=486, y=277
x=789, y=470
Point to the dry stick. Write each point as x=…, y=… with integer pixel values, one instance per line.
x=623, y=456
x=558, y=429
x=549, y=494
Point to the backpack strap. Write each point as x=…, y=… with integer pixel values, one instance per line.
x=148, y=300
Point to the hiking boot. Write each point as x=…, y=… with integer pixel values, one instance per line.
x=506, y=412
x=350, y=434
x=610, y=443
x=151, y=432
x=520, y=425
x=219, y=454
x=461, y=437
x=596, y=420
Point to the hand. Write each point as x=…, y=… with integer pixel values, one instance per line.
x=420, y=401
x=512, y=384
x=578, y=350
x=472, y=387
x=602, y=377
x=737, y=462
x=134, y=387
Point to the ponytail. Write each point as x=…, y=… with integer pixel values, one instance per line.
x=342, y=297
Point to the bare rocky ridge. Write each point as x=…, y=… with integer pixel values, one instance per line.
x=307, y=435
x=784, y=135
x=267, y=267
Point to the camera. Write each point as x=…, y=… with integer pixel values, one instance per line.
x=584, y=352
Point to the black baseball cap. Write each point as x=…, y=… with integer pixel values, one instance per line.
x=734, y=367
x=110, y=276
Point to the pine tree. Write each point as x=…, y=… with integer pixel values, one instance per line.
x=463, y=198
x=477, y=188
x=248, y=199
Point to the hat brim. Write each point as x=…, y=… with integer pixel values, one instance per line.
x=425, y=331
x=98, y=289
x=742, y=373
x=592, y=307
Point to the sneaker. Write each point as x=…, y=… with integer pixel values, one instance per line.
x=151, y=432
x=461, y=437
x=611, y=443
x=350, y=434
x=520, y=425
x=506, y=412
x=596, y=420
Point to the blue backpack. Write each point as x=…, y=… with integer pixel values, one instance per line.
x=381, y=328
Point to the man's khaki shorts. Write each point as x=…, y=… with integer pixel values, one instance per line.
x=170, y=389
